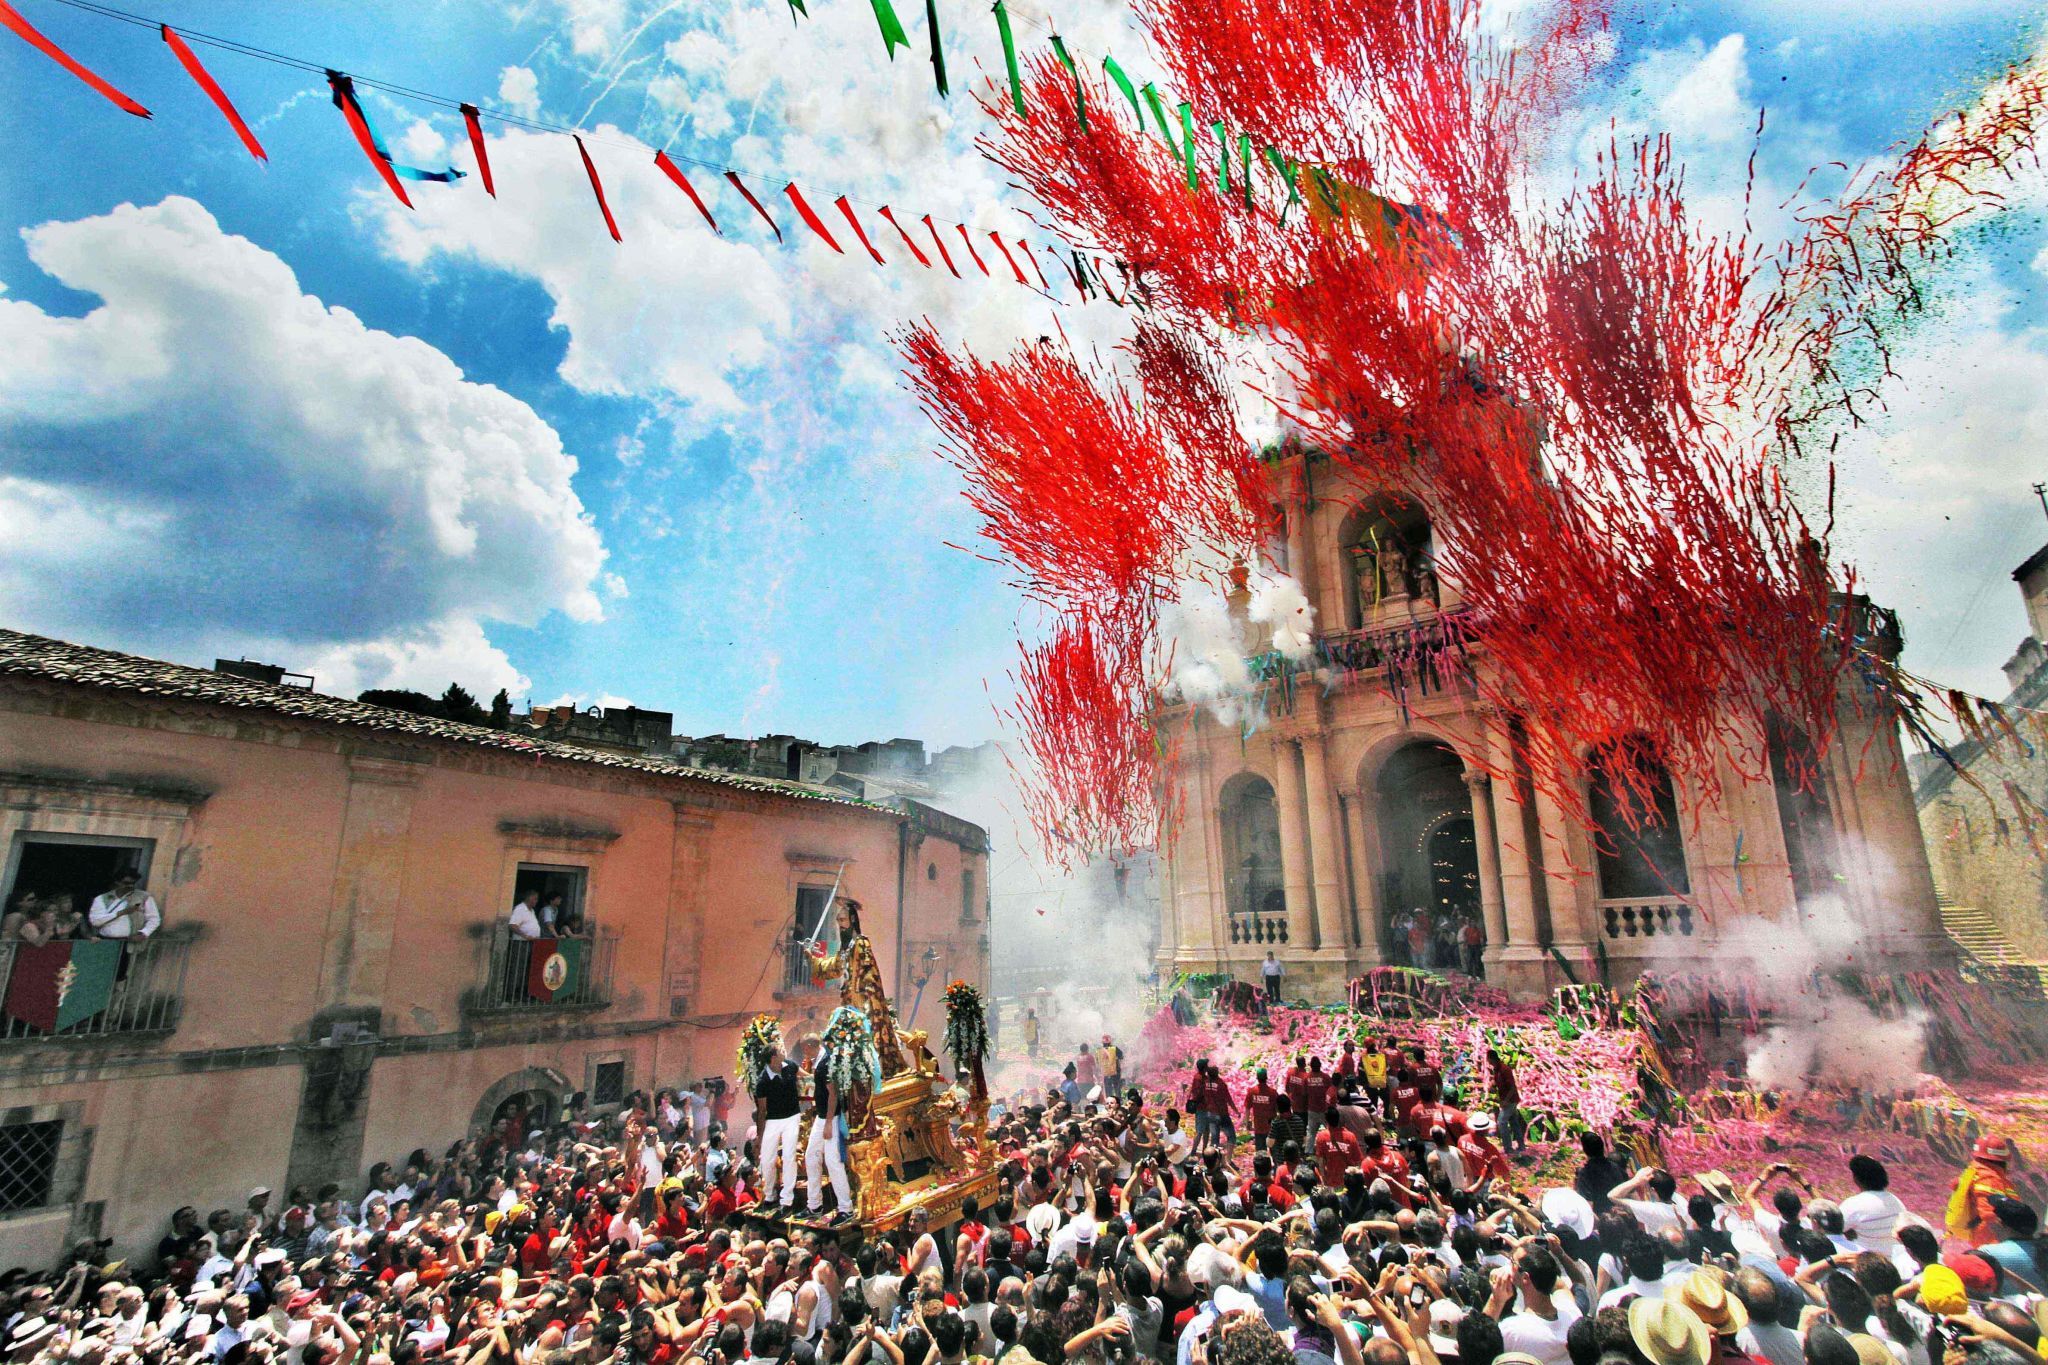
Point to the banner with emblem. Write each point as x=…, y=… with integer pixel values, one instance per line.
x=556, y=967
x=56, y=985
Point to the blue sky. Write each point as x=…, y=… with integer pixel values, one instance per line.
x=264, y=410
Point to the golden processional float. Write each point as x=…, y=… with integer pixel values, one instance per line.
x=915, y=1139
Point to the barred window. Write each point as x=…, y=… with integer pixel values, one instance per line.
x=28, y=1161
x=608, y=1085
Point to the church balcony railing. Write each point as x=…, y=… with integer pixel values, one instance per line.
x=1428, y=654
x=1627, y=917
x=87, y=989
x=519, y=976
x=1260, y=930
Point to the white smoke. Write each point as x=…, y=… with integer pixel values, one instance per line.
x=1278, y=602
x=1205, y=651
x=1816, y=1037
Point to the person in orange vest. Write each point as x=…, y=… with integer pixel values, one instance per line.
x=1969, y=1208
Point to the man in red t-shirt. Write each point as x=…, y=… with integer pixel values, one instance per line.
x=1336, y=1152
x=1404, y=1094
x=1216, y=1103
x=1380, y=1161
x=1483, y=1160
x=1295, y=1085
x=1347, y=1062
x=1319, y=1093
x=1261, y=1102
x=1434, y=1113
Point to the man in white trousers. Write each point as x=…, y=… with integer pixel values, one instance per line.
x=822, y=1152
x=775, y=1114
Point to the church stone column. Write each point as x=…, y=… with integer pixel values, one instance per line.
x=1294, y=860
x=1517, y=957
x=1365, y=845
x=1324, y=848
x=1491, y=907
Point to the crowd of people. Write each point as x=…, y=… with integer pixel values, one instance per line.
x=1344, y=1212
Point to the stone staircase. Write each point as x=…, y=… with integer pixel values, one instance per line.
x=1983, y=943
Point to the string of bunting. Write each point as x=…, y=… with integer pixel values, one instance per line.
x=1087, y=273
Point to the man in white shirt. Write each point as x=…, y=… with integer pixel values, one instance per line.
x=1539, y=1327
x=1870, y=1217
x=524, y=921
x=127, y=911
x=1270, y=970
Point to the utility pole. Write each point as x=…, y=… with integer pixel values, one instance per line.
x=2041, y=492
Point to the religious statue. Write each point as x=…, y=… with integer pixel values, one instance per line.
x=860, y=983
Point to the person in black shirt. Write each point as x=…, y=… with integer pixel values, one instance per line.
x=775, y=1102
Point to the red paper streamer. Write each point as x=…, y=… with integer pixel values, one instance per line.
x=748, y=195
x=30, y=35
x=1008, y=257
x=922, y=259
x=940, y=243
x=345, y=95
x=846, y=208
x=597, y=188
x=471, y=120
x=811, y=220
x=673, y=172
x=204, y=79
x=971, y=252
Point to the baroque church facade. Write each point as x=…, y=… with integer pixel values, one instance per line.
x=1356, y=824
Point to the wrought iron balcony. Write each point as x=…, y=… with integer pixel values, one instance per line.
x=519, y=976
x=91, y=989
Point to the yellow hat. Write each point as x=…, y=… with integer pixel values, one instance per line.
x=1941, y=1291
x=492, y=1219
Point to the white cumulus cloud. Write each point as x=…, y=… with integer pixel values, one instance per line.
x=210, y=459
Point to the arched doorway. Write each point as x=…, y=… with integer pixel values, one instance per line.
x=1252, y=887
x=515, y=1104
x=1429, y=854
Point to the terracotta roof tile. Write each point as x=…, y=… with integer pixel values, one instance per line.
x=36, y=656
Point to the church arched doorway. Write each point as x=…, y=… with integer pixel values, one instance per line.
x=1253, y=892
x=1430, y=855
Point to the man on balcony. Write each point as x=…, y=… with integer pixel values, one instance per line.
x=127, y=911
x=524, y=919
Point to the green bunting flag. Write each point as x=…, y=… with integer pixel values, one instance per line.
x=1159, y=114
x=1123, y=83
x=796, y=7
x=1059, y=50
x=1286, y=168
x=56, y=985
x=1187, y=143
x=1223, y=172
x=893, y=35
x=1244, y=154
x=931, y=21
x=1010, y=57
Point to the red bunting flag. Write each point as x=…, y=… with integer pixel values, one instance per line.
x=854, y=223
x=811, y=219
x=345, y=99
x=476, y=144
x=597, y=188
x=922, y=259
x=1008, y=257
x=674, y=172
x=971, y=252
x=940, y=243
x=1032, y=257
x=748, y=195
x=205, y=81
x=30, y=35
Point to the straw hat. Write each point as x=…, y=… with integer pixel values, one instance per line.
x=1871, y=1351
x=1717, y=1183
x=1705, y=1294
x=1669, y=1333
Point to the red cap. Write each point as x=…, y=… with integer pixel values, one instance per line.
x=303, y=1299
x=1979, y=1276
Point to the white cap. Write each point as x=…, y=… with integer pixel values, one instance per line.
x=1480, y=1123
x=1231, y=1299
